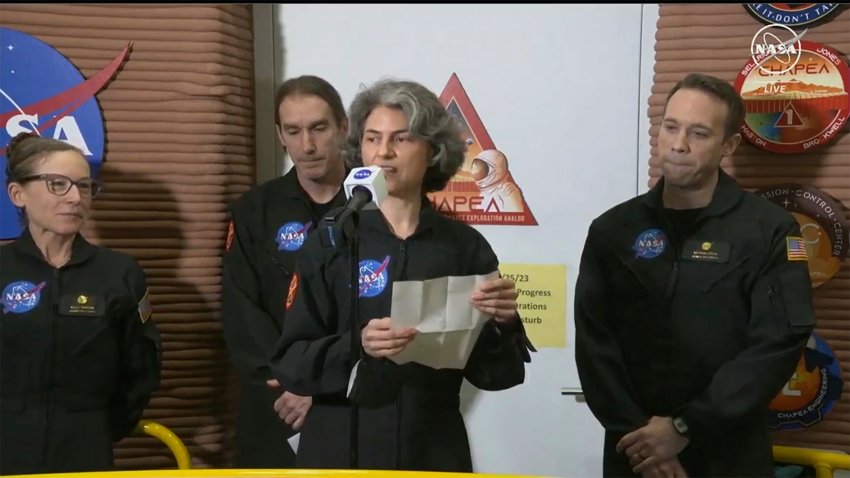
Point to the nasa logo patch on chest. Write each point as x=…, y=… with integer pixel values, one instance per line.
x=650, y=244
x=290, y=237
x=21, y=296
x=373, y=277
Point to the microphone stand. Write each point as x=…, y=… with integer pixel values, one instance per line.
x=344, y=225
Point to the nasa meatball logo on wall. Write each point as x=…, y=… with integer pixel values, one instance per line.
x=44, y=93
x=483, y=190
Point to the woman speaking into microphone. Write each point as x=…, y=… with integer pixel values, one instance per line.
x=408, y=415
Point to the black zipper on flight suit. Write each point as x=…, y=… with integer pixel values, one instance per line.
x=675, y=246
x=51, y=354
x=771, y=296
x=666, y=320
x=283, y=267
x=402, y=256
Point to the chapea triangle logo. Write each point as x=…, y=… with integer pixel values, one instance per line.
x=483, y=191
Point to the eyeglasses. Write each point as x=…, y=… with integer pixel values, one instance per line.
x=60, y=185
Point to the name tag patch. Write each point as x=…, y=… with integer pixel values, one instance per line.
x=706, y=251
x=81, y=304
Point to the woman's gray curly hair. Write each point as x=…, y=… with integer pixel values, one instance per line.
x=427, y=120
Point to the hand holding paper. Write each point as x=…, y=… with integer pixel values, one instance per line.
x=380, y=339
x=447, y=319
x=497, y=297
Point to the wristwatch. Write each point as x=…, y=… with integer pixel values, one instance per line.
x=680, y=426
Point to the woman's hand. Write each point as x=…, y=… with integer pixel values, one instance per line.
x=497, y=297
x=381, y=339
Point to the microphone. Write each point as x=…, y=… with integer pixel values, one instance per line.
x=365, y=188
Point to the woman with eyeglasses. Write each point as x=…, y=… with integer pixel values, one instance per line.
x=79, y=352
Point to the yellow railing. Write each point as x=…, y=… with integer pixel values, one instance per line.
x=824, y=462
x=172, y=441
x=237, y=473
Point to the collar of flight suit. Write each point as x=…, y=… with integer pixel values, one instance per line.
x=726, y=195
x=291, y=188
x=428, y=218
x=81, y=249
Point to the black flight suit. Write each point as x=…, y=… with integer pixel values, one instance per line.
x=410, y=417
x=703, y=318
x=270, y=225
x=79, y=363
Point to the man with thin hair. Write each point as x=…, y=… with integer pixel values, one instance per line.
x=693, y=305
x=269, y=225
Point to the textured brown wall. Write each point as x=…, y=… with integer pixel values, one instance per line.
x=179, y=146
x=715, y=39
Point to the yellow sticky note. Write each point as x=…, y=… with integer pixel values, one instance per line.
x=542, y=301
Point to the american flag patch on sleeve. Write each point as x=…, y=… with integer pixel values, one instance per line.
x=145, y=307
x=796, y=248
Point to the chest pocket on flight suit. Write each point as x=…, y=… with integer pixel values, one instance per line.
x=637, y=284
x=88, y=347
x=788, y=299
x=713, y=265
x=714, y=296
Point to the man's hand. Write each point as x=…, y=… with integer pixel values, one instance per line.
x=380, y=339
x=497, y=297
x=654, y=443
x=293, y=409
x=666, y=469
